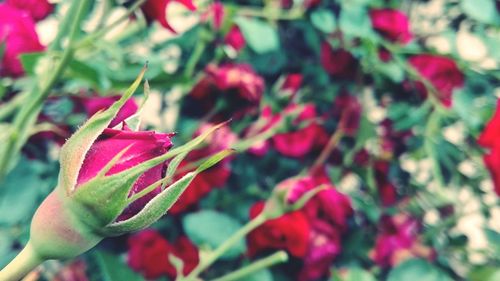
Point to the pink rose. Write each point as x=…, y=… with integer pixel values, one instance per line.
x=339, y=63
x=17, y=32
x=442, y=73
x=38, y=9
x=142, y=146
x=391, y=24
x=300, y=142
x=490, y=139
x=398, y=240
x=235, y=39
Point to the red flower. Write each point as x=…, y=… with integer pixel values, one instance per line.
x=338, y=62
x=490, y=138
x=301, y=141
x=324, y=247
x=289, y=232
x=216, y=13
x=266, y=121
x=291, y=85
x=398, y=241
x=157, y=10
x=442, y=73
x=239, y=85
x=392, y=24
x=142, y=146
x=235, y=38
x=17, y=32
x=148, y=254
x=387, y=190
x=216, y=176
x=38, y=9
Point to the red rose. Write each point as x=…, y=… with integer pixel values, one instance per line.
x=38, y=9
x=149, y=254
x=17, y=32
x=238, y=84
x=490, y=138
x=215, y=13
x=289, y=232
x=291, y=85
x=339, y=63
x=266, y=121
x=301, y=141
x=442, y=73
x=398, y=240
x=216, y=176
x=235, y=38
x=391, y=24
x=324, y=247
x=142, y=146
x=387, y=190
x=157, y=10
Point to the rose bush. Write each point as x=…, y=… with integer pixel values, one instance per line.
x=363, y=142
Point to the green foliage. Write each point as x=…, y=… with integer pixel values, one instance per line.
x=481, y=10
x=111, y=268
x=417, y=269
x=324, y=20
x=259, y=35
x=211, y=228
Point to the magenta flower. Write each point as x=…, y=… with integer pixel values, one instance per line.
x=157, y=10
x=235, y=39
x=391, y=24
x=17, y=32
x=38, y=9
x=339, y=63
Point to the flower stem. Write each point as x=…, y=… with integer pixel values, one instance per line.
x=432, y=129
x=330, y=146
x=213, y=256
x=26, y=261
x=278, y=257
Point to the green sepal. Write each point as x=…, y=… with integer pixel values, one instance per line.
x=161, y=203
x=75, y=149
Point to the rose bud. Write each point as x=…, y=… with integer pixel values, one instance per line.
x=392, y=24
x=111, y=182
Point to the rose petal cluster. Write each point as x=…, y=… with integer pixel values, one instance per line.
x=156, y=10
x=312, y=233
x=392, y=24
x=149, y=254
x=307, y=136
x=37, y=9
x=490, y=139
x=17, y=32
x=442, y=72
x=339, y=63
x=235, y=84
x=398, y=240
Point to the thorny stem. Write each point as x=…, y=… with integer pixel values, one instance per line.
x=325, y=153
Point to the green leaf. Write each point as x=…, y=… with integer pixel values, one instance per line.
x=29, y=61
x=211, y=228
x=484, y=273
x=358, y=274
x=112, y=269
x=324, y=20
x=259, y=35
x=20, y=191
x=481, y=10
x=354, y=21
x=417, y=269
